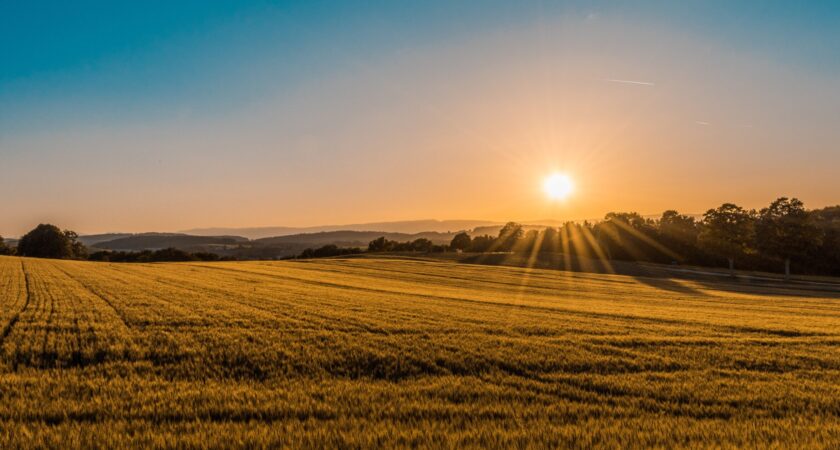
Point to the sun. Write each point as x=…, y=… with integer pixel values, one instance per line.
x=558, y=186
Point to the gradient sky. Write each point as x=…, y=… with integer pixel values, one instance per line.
x=172, y=115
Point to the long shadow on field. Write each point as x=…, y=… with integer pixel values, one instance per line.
x=669, y=284
x=662, y=277
x=762, y=287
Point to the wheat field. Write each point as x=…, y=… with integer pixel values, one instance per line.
x=367, y=352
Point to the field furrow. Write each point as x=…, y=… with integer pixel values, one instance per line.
x=395, y=352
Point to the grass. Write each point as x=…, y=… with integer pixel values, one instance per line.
x=367, y=352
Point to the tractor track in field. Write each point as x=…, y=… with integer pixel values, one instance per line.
x=118, y=313
x=275, y=313
x=549, y=309
x=13, y=321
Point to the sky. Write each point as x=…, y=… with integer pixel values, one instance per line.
x=165, y=116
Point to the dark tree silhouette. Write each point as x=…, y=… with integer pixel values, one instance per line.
x=550, y=240
x=461, y=241
x=482, y=243
x=785, y=230
x=171, y=254
x=329, y=250
x=48, y=241
x=826, y=257
x=508, y=236
x=727, y=231
x=379, y=244
x=77, y=248
x=628, y=236
x=422, y=245
x=679, y=233
x=166, y=254
x=4, y=249
x=528, y=242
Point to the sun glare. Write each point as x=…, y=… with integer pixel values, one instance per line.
x=558, y=186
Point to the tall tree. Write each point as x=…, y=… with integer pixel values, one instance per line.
x=421, y=245
x=785, y=230
x=826, y=257
x=527, y=243
x=461, y=241
x=379, y=244
x=628, y=236
x=4, y=249
x=509, y=235
x=727, y=231
x=482, y=243
x=77, y=248
x=48, y=241
x=550, y=241
x=679, y=233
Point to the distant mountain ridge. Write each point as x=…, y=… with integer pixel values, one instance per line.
x=407, y=227
x=154, y=241
x=281, y=241
x=93, y=239
x=353, y=238
x=241, y=247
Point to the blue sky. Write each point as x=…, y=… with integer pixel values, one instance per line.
x=148, y=91
x=121, y=60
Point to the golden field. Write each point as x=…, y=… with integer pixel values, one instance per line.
x=387, y=352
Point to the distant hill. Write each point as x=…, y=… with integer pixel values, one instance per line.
x=151, y=241
x=93, y=239
x=408, y=227
x=266, y=248
x=352, y=238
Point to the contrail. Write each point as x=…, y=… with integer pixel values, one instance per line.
x=643, y=83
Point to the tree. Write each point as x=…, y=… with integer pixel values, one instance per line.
x=679, y=233
x=785, y=230
x=509, y=235
x=550, y=241
x=379, y=244
x=678, y=226
x=422, y=245
x=4, y=249
x=727, y=231
x=826, y=257
x=461, y=241
x=77, y=248
x=528, y=242
x=171, y=254
x=48, y=241
x=629, y=236
x=481, y=244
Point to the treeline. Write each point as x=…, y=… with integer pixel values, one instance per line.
x=329, y=250
x=775, y=238
x=784, y=236
x=380, y=244
x=5, y=249
x=418, y=245
x=49, y=241
x=162, y=255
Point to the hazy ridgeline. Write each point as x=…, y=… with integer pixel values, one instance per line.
x=373, y=352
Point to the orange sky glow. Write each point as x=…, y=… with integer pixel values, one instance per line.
x=642, y=117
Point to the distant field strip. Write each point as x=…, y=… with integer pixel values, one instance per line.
x=344, y=353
